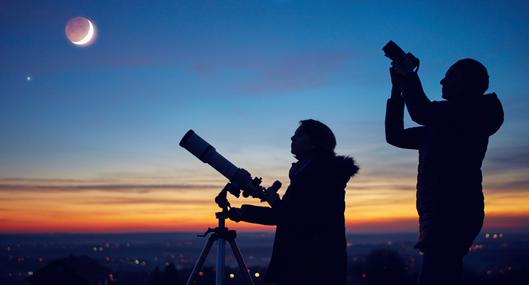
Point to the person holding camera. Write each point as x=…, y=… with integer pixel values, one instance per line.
x=309, y=245
x=452, y=141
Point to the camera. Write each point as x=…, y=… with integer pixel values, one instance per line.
x=396, y=54
x=240, y=179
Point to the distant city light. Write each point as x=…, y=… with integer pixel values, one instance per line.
x=476, y=247
x=494, y=235
x=27, y=265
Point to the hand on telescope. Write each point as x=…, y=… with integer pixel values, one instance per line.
x=235, y=214
x=272, y=198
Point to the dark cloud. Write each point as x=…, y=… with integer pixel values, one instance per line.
x=275, y=72
x=145, y=201
x=507, y=159
x=69, y=186
x=377, y=187
x=493, y=222
x=521, y=184
x=297, y=72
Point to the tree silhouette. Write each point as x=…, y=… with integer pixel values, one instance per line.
x=385, y=266
x=71, y=270
x=169, y=276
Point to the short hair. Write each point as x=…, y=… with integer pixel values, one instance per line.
x=320, y=136
x=474, y=74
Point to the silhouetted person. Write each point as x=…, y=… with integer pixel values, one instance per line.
x=310, y=245
x=452, y=142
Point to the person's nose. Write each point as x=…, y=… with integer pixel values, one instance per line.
x=443, y=81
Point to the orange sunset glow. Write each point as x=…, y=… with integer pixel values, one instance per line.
x=88, y=206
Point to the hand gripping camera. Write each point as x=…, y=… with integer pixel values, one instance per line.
x=396, y=54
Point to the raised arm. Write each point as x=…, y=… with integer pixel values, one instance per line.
x=255, y=214
x=421, y=109
x=396, y=134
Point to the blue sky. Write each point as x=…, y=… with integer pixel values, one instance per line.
x=241, y=74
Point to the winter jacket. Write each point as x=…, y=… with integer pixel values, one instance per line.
x=452, y=142
x=309, y=245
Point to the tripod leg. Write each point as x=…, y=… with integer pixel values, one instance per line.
x=240, y=261
x=219, y=277
x=201, y=259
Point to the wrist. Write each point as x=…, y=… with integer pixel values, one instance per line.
x=396, y=92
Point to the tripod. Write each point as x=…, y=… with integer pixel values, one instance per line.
x=220, y=234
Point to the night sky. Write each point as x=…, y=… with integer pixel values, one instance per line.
x=89, y=135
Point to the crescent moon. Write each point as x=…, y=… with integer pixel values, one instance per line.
x=88, y=36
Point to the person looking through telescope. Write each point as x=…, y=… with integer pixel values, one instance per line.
x=452, y=141
x=309, y=245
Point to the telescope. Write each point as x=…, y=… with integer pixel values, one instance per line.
x=240, y=179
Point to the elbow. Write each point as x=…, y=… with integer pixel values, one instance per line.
x=393, y=143
x=389, y=139
x=396, y=139
x=419, y=118
x=392, y=133
x=392, y=140
x=420, y=113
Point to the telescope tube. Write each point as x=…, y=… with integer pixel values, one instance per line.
x=207, y=154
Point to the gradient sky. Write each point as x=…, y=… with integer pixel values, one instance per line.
x=90, y=143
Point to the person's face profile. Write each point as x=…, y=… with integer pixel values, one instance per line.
x=301, y=143
x=451, y=84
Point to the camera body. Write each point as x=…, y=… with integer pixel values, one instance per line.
x=396, y=54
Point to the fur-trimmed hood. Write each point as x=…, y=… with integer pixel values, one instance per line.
x=345, y=167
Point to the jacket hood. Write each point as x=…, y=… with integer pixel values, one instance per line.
x=340, y=167
x=490, y=113
x=344, y=167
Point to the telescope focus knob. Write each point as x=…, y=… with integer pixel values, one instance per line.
x=275, y=187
